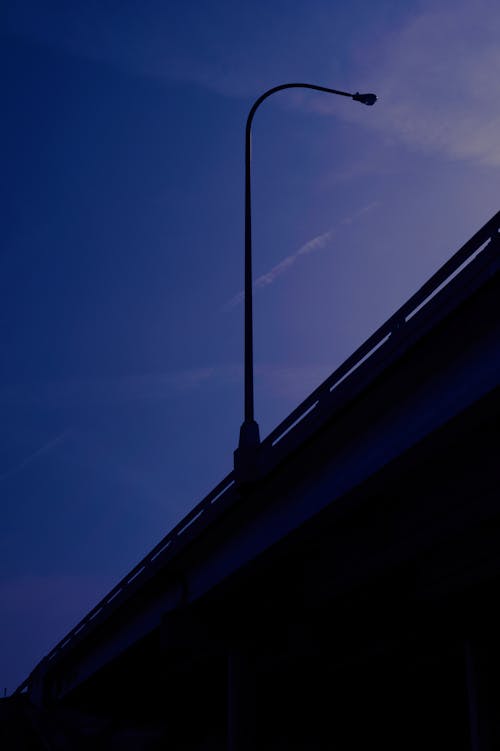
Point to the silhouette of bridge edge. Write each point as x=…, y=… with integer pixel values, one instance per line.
x=443, y=291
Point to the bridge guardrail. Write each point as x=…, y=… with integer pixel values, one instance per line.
x=490, y=231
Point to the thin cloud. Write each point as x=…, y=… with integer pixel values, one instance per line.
x=435, y=77
x=269, y=277
x=311, y=246
x=121, y=389
x=210, y=44
x=35, y=455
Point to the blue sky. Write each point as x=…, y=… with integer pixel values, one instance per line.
x=121, y=252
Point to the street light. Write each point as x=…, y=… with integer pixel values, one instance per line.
x=245, y=456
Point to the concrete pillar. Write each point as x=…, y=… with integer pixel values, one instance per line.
x=479, y=696
x=241, y=701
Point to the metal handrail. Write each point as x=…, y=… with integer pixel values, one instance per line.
x=427, y=291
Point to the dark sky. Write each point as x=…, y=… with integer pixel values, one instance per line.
x=121, y=251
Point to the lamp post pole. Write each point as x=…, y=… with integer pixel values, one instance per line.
x=245, y=456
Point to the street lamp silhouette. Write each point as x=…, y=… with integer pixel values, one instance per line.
x=245, y=456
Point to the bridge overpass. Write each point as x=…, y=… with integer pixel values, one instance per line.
x=345, y=597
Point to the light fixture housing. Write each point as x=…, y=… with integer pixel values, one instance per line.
x=368, y=99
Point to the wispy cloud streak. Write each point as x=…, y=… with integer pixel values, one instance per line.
x=435, y=78
x=35, y=455
x=114, y=390
x=211, y=44
x=311, y=246
x=270, y=276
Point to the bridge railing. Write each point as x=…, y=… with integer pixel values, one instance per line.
x=112, y=597
x=487, y=234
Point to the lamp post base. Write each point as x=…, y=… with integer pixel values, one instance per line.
x=247, y=454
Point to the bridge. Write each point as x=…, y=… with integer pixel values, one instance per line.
x=345, y=596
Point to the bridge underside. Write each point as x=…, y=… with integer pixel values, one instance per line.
x=343, y=600
x=375, y=623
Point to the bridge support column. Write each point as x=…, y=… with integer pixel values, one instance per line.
x=482, y=715
x=241, y=701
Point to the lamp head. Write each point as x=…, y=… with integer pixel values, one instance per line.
x=368, y=99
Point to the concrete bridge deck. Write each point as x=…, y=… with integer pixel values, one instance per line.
x=345, y=596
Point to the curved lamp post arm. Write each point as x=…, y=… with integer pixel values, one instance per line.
x=249, y=432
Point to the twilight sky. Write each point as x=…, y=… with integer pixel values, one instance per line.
x=121, y=253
